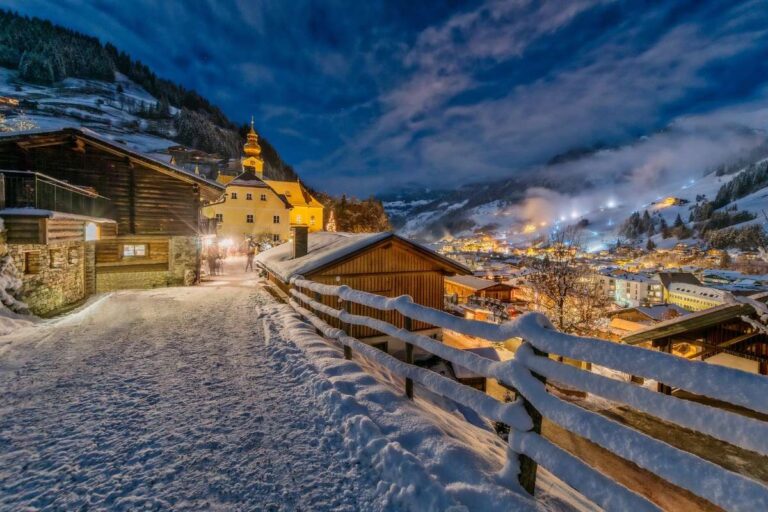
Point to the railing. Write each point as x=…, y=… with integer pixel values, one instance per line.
x=526, y=375
x=24, y=189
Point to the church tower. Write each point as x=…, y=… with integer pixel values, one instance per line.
x=252, y=161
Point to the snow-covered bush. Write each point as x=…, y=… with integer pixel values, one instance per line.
x=10, y=285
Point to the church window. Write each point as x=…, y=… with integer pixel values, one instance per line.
x=249, y=196
x=234, y=195
x=249, y=219
x=275, y=219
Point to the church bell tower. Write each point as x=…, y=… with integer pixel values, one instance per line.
x=252, y=161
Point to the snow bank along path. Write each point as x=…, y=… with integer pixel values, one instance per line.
x=215, y=398
x=729, y=490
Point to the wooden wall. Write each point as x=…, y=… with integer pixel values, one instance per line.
x=109, y=253
x=391, y=270
x=25, y=230
x=144, y=201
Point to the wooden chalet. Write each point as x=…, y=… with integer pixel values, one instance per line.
x=463, y=287
x=718, y=335
x=148, y=211
x=381, y=263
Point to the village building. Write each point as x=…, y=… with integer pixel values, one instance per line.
x=255, y=207
x=696, y=297
x=634, y=319
x=84, y=214
x=381, y=263
x=718, y=335
x=629, y=289
x=460, y=288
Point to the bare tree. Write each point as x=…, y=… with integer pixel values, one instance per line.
x=567, y=290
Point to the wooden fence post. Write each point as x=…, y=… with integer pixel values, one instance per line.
x=345, y=328
x=408, y=326
x=528, y=466
x=318, y=298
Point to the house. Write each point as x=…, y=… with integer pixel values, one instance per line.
x=719, y=335
x=629, y=289
x=253, y=206
x=462, y=287
x=696, y=297
x=139, y=217
x=381, y=263
x=668, y=278
x=637, y=318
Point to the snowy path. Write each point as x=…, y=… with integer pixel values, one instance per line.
x=170, y=401
x=198, y=399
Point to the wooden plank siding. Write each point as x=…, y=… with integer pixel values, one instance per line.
x=109, y=253
x=25, y=230
x=391, y=270
x=144, y=201
x=65, y=230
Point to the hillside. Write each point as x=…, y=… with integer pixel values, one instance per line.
x=711, y=203
x=64, y=78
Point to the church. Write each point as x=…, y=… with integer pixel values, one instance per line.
x=253, y=206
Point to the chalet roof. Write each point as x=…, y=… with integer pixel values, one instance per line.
x=328, y=248
x=667, y=278
x=248, y=179
x=694, y=321
x=475, y=283
x=655, y=312
x=209, y=189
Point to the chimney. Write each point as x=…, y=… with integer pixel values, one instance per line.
x=300, y=241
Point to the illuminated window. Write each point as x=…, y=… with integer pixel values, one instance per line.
x=276, y=219
x=249, y=219
x=134, y=250
x=312, y=220
x=234, y=195
x=298, y=219
x=249, y=196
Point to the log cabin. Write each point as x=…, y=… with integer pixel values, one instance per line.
x=461, y=288
x=381, y=263
x=147, y=211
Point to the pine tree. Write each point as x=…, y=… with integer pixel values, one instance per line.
x=678, y=221
x=650, y=245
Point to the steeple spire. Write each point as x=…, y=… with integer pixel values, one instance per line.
x=252, y=150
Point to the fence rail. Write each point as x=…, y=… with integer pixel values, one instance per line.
x=526, y=375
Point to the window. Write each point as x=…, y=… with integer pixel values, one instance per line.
x=134, y=250
x=263, y=197
x=298, y=219
x=219, y=217
x=275, y=238
x=249, y=219
x=312, y=220
x=249, y=196
x=276, y=219
x=32, y=262
x=234, y=195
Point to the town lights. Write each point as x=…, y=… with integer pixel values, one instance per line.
x=226, y=243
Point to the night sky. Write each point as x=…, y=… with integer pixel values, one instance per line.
x=364, y=96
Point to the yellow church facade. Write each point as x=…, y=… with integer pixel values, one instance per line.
x=254, y=207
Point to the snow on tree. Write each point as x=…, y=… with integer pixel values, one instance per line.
x=10, y=285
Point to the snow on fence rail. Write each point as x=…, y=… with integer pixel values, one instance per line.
x=526, y=374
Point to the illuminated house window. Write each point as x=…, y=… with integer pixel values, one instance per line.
x=134, y=250
x=249, y=219
x=248, y=196
x=276, y=219
x=298, y=219
x=234, y=195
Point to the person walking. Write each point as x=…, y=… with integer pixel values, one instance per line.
x=250, y=253
x=212, y=256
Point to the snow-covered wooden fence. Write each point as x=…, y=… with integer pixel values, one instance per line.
x=526, y=374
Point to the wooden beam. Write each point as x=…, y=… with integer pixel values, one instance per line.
x=709, y=348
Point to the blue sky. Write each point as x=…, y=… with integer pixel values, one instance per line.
x=367, y=96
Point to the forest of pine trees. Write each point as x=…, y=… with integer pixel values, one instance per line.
x=355, y=215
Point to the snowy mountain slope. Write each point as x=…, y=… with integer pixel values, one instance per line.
x=90, y=103
x=524, y=208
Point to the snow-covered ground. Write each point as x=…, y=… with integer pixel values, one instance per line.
x=218, y=397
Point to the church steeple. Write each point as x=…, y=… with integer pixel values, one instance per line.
x=253, y=160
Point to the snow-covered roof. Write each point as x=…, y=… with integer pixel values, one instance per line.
x=703, y=292
x=325, y=248
x=659, y=311
x=476, y=283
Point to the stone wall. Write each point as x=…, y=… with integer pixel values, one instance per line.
x=53, y=275
x=110, y=281
x=185, y=259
